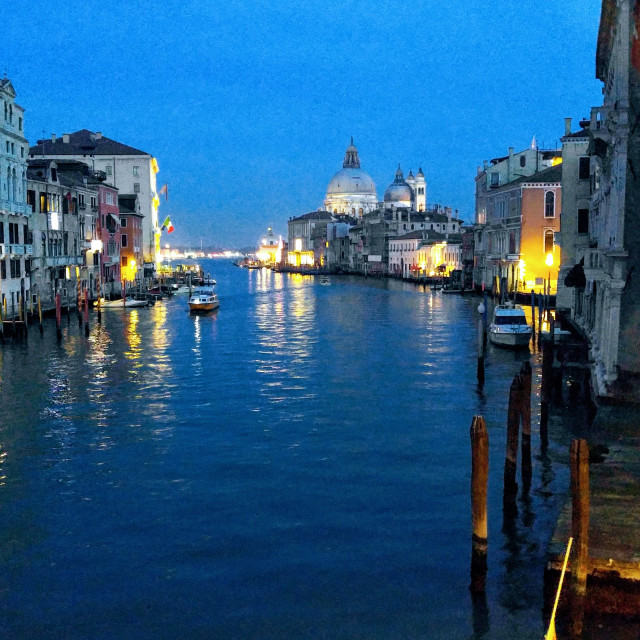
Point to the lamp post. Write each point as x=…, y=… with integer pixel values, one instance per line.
x=549, y=262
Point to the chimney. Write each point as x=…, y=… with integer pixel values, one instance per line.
x=567, y=126
x=485, y=164
x=98, y=135
x=594, y=118
x=53, y=137
x=65, y=138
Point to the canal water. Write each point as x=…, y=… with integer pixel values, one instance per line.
x=295, y=465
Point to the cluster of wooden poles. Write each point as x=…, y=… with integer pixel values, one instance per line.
x=519, y=414
x=18, y=327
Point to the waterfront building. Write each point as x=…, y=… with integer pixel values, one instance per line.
x=408, y=194
x=494, y=175
x=351, y=191
x=576, y=192
x=467, y=257
x=307, y=239
x=109, y=234
x=518, y=237
x=66, y=251
x=270, y=251
x=608, y=308
x=338, y=245
x=130, y=170
x=131, y=238
x=16, y=237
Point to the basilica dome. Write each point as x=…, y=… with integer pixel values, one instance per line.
x=351, y=191
x=399, y=192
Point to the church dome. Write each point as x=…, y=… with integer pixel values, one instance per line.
x=351, y=180
x=399, y=192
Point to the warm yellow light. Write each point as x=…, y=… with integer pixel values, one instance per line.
x=156, y=202
x=549, y=260
x=154, y=165
x=556, y=161
x=132, y=264
x=297, y=244
x=67, y=273
x=96, y=245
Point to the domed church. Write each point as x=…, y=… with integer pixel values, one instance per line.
x=351, y=190
x=409, y=193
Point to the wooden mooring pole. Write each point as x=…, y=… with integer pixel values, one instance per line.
x=481, y=346
x=511, y=458
x=86, y=312
x=40, y=315
x=525, y=413
x=58, y=317
x=479, y=483
x=579, y=531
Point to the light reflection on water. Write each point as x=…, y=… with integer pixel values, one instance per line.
x=293, y=465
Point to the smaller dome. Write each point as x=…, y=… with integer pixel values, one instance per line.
x=410, y=176
x=420, y=174
x=399, y=191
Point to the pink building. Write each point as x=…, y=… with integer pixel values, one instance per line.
x=108, y=228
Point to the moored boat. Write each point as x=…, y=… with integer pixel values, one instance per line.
x=509, y=327
x=203, y=299
x=119, y=304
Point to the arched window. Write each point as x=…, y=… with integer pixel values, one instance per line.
x=548, y=241
x=523, y=161
x=14, y=184
x=549, y=204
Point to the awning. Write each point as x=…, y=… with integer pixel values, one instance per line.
x=115, y=219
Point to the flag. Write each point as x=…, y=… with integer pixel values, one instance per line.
x=68, y=196
x=165, y=190
x=170, y=227
x=166, y=223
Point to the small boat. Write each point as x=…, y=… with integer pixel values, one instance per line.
x=119, y=304
x=451, y=289
x=203, y=299
x=324, y=280
x=509, y=327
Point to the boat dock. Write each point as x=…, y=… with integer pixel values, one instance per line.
x=613, y=568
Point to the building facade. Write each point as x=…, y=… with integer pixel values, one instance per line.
x=16, y=237
x=131, y=171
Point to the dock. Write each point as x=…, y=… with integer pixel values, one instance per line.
x=613, y=569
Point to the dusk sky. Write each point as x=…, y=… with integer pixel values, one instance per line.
x=249, y=106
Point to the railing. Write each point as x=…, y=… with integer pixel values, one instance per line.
x=61, y=261
x=17, y=249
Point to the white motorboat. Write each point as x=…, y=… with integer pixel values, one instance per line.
x=509, y=327
x=119, y=304
x=203, y=299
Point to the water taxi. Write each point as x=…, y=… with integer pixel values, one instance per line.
x=203, y=299
x=509, y=327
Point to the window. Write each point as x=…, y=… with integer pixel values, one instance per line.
x=94, y=202
x=109, y=198
x=495, y=180
x=123, y=223
x=3, y=269
x=523, y=161
x=109, y=170
x=583, y=168
x=136, y=187
x=548, y=241
x=124, y=242
x=20, y=124
x=22, y=152
x=1, y=232
x=54, y=174
x=13, y=148
x=549, y=204
x=124, y=261
x=136, y=171
x=583, y=220
x=15, y=267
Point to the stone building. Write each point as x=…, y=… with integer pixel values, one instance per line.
x=130, y=170
x=16, y=237
x=608, y=308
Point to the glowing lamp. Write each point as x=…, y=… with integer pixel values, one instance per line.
x=549, y=260
x=96, y=245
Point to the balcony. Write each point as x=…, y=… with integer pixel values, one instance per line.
x=82, y=205
x=17, y=249
x=63, y=261
x=94, y=208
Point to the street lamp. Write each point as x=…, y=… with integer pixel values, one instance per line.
x=549, y=262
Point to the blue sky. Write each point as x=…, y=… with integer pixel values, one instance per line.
x=249, y=105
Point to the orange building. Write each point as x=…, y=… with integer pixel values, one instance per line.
x=130, y=238
x=519, y=235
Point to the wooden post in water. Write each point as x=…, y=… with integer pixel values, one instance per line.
x=481, y=344
x=2, y=317
x=86, y=312
x=533, y=314
x=78, y=297
x=579, y=531
x=479, y=482
x=58, y=317
x=40, y=315
x=513, y=432
x=98, y=291
x=539, y=320
x=525, y=413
